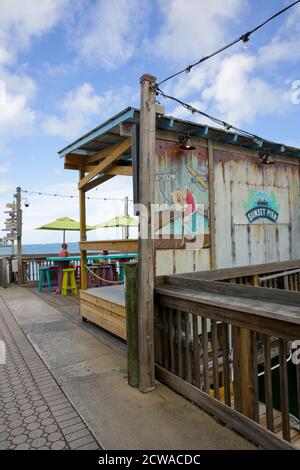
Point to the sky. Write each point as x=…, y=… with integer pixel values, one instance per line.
x=68, y=65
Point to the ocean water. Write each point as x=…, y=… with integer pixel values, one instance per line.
x=44, y=248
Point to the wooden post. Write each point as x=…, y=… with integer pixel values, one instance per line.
x=245, y=372
x=126, y=229
x=19, y=235
x=131, y=304
x=82, y=215
x=146, y=245
x=211, y=198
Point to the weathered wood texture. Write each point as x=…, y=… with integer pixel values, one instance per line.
x=128, y=246
x=82, y=219
x=105, y=311
x=237, y=178
x=131, y=305
x=146, y=246
x=207, y=348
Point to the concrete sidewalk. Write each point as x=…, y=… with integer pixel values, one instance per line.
x=93, y=377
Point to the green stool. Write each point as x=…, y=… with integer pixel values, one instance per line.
x=68, y=282
x=44, y=273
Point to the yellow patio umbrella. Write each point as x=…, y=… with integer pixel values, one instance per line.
x=64, y=224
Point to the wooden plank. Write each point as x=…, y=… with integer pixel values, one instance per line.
x=146, y=246
x=104, y=323
x=187, y=349
x=228, y=273
x=268, y=383
x=196, y=350
x=238, y=317
x=205, y=354
x=96, y=182
x=102, y=303
x=226, y=365
x=179, y=343
x=228, y=290
x=172, y=340
x=253, y=369
x=240, y=423
x=166, y=342
x=211, y=198
x=115, y=152
x=103, y=313
x=131, y=302
x=298, y=386
x=82, y=221
x=284, y=392
x=104, y=153
x=214, y=346
x=128, y=246
x=282, y=274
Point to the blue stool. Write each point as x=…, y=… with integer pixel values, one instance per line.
x=44, y=273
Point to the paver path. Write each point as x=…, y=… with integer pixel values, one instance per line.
x=34, y=412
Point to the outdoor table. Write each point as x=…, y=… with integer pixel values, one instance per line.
x=116, y=256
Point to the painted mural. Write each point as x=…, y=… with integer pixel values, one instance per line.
x=181, y=191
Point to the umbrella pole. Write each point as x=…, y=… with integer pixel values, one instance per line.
x=64, y=237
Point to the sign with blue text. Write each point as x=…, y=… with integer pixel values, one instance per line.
x=261, y=205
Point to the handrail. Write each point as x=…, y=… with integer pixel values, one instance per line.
x=282, y=274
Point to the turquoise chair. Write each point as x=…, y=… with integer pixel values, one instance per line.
x=45, y=279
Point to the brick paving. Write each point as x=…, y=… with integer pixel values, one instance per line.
x=34, y=412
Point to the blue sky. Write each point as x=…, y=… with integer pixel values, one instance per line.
x=67, y=65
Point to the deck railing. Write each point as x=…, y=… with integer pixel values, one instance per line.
x=223, y=357
x=31, y=267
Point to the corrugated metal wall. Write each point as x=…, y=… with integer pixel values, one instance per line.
x=239, y=242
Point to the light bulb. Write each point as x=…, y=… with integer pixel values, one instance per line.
x=246, y=43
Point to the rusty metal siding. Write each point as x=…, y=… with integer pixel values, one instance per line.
x=239, y=242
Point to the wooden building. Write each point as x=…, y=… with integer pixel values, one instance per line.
x=250, y=208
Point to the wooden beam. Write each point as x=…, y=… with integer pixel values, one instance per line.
x=131, y=303
x=103, y=153
x=128, y=246
x=96, y=182
x=114, y=154
x=82, y=215
x=146, y=245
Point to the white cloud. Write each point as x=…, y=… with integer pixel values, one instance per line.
x=239, y=96
x=285, y=44
x=82, y=105
x=191, y=29
x=109, y=32
x=16, y=115
x=20, y=22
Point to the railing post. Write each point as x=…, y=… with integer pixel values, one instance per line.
x=131, y=305
x=245, y=393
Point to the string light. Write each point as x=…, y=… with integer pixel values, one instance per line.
x=71, y=196
x=218, y=121
x=244, y=38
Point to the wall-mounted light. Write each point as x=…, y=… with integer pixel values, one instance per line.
x=186, y=142
x=266, y=158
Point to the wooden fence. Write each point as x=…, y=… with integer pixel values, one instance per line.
x=214, y=341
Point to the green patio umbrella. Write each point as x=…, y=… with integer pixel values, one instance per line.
x=64, y=224
x=120, y=221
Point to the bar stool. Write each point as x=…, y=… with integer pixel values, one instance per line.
x=68, y=282
x=45, y=279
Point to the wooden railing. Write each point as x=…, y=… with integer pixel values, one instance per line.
x=219, y=346
x=31, y=267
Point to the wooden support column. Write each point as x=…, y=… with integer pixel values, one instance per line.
x=211, y=198
x=82, y=215
x=146, y=245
